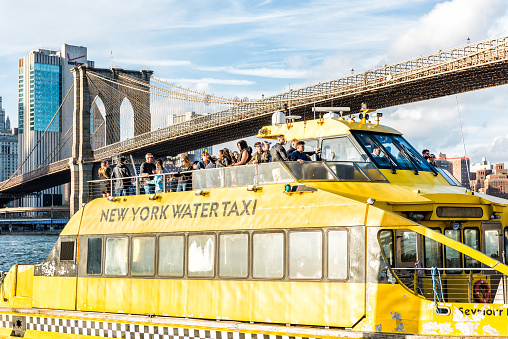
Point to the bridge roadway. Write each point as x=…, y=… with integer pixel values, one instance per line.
x=457, y=70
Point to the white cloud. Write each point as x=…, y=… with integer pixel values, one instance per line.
x=449, y=24
x=151, y=62
x=229, y=82
x=260, y=72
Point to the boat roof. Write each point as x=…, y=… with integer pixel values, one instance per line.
x=320, y=128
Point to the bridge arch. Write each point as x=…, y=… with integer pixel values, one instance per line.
x=112, y=87
x=126, y=119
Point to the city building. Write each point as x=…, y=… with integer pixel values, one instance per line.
x=44, y=79
x=492, y=181
x=483, y=165
x=8, y=146
x=459, y=167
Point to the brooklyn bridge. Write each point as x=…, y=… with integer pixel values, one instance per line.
x=98, y=130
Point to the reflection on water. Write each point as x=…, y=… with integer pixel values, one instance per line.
x=24, y=249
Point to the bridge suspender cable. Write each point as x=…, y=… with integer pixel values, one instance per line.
x=38, y=141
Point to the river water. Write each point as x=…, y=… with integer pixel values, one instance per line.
x=24, y=249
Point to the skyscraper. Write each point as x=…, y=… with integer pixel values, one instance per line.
x=44, y=78
x=8, y=146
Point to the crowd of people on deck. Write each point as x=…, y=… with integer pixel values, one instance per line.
x=151, y=173
x=152, y=176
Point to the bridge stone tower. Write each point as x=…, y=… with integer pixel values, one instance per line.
x=112, y=95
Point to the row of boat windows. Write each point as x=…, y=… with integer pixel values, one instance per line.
x=312, y=255
x=435, y=254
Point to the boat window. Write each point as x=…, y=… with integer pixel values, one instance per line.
x=272, y=172
x=201, y=249
x=94, y=256
x=412, y=153
x=471, y=239
x=309, y=171
x=371, y=171
x=449, y=177
x=310, y=146
x=268, y=255
x=408, y=246
x=377, y=153
x=66, y=250
x=116, y=256
x=453, y=258
x=338, y=254
x=389, y=151
x=348, y=171
x=240, y=176
x=305, y=255
x=143, y=256
x=386, y=240
x=171, y=255
x=433, y=251
x=339, y=149
x=387, y=142
x=233, y=255
x=492, y=243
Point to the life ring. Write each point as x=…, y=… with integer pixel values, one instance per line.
x=481, y=291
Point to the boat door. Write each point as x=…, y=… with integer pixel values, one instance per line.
x=492, y=245
x=408, y=249
x=492, y=242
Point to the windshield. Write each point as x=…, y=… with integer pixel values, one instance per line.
x=392, y=151
x=339, y=149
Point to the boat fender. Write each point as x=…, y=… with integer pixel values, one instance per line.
x=481, y=291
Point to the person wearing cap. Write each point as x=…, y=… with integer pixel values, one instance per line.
x=119, y=172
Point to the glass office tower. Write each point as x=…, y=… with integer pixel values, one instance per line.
x=44, y=78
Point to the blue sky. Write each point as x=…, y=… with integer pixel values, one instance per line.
x=249, y=48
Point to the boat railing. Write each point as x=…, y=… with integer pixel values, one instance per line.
x=259, y=174
x=467, y=285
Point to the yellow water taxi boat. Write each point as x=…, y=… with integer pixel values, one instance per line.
x=367, y=240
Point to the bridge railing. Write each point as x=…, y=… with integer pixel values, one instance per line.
x=42, y=170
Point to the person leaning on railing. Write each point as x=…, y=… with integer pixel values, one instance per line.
x=147, y=168
x=119, y=172
x=245, y=153
x=184, y=175
x=105, y=174
x=158, y=180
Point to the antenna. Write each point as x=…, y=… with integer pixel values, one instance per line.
x=463, y=143
x=289, y=105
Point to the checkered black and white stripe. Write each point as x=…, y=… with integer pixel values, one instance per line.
x=134, y=331
x=6, y=320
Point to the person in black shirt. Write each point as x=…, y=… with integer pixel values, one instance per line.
x=293, y=148
x=121, y=171
x=147, y=168
x=278, y=152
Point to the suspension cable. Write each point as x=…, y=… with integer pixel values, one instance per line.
x=40, y=139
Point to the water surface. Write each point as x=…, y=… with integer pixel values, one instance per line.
x=24, y=249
